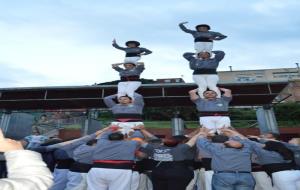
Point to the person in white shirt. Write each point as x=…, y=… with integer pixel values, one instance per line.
x=26, y=170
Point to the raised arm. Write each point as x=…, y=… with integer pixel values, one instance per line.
x=74, y=143
x=183, y=28
x=227, y=92
x=193, y=133
x=116, y=67
x=219, y=55
x=145, y=51
x=219, y=36
x=189, y=56
x=109, y=102
x=140, y=67
x=138, y=99
x=203, y=143
x=146, y=133
x=193, y=95
x=115, y=45
x=194, y=139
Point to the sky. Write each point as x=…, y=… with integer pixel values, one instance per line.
x=68, y=42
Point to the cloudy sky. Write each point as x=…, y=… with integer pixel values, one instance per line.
x=68, y=42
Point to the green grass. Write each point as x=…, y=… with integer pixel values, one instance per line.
x=193, y=124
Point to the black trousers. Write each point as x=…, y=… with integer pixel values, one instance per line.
x=171, y=177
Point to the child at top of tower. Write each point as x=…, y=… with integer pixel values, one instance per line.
x=203, y=37
x=133, y=51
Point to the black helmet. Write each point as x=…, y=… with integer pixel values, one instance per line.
x=133, y=42
x=203, y=25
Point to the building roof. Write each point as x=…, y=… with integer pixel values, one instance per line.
x=156, y=95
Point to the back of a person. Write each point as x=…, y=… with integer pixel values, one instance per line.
x=115, y=150
x=171, y=172
x=233, y=156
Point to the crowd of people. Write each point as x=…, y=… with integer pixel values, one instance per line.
x=126, y=156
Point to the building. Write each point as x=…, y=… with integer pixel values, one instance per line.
x=262, y=75
x=291, y=75
x=170, y=80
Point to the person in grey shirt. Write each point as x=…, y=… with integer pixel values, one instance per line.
x=205, y=70
x=113, y=161
x=133, y=51
x=83, y=163
x=277, y=160
x=130, y=78
x=231, y=163
x=213, y=111
x=203, y=37
x=127, y=113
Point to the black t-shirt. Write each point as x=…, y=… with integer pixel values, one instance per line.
x=167, y=154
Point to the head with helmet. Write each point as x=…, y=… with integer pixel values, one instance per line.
x=202, y=28
x=132, y=44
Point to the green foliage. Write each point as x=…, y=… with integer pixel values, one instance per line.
x=288, y=112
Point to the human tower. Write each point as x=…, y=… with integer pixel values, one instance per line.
x=211, y=102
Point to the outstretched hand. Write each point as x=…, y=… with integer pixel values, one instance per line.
x=193, y=91
x=99, y=132
x=9, y=144
x=139, y=127
x=203, y=131
x=184, y=22
x=229, y=132
x=114, y=41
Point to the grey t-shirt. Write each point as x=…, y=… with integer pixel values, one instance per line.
x=228, y=159
x=167, y=154
x=136, y=71
x=114, y=150
x=134, y=108
x=217, y=105
x=83, y=154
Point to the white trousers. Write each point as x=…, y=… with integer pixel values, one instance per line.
x=195, y=184
x=76, y=181
x=207, y=81
x=145, y=183
x=110, y=179
x=206, y=178
x=132, y=59
x=60, y=179
x=126, y=127
x=214, y=123
x=286, y=180
x=263, y=181
x=203, y=46
x=128, y=88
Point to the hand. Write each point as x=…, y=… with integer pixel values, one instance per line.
x=184, y=22
x=223, y=89
x=9, y=144
x=193, y=91
x=114, y=41
x=203, y=132
x=253, y=136
x=139, y=127
x=114, y=127
x=229, y=132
